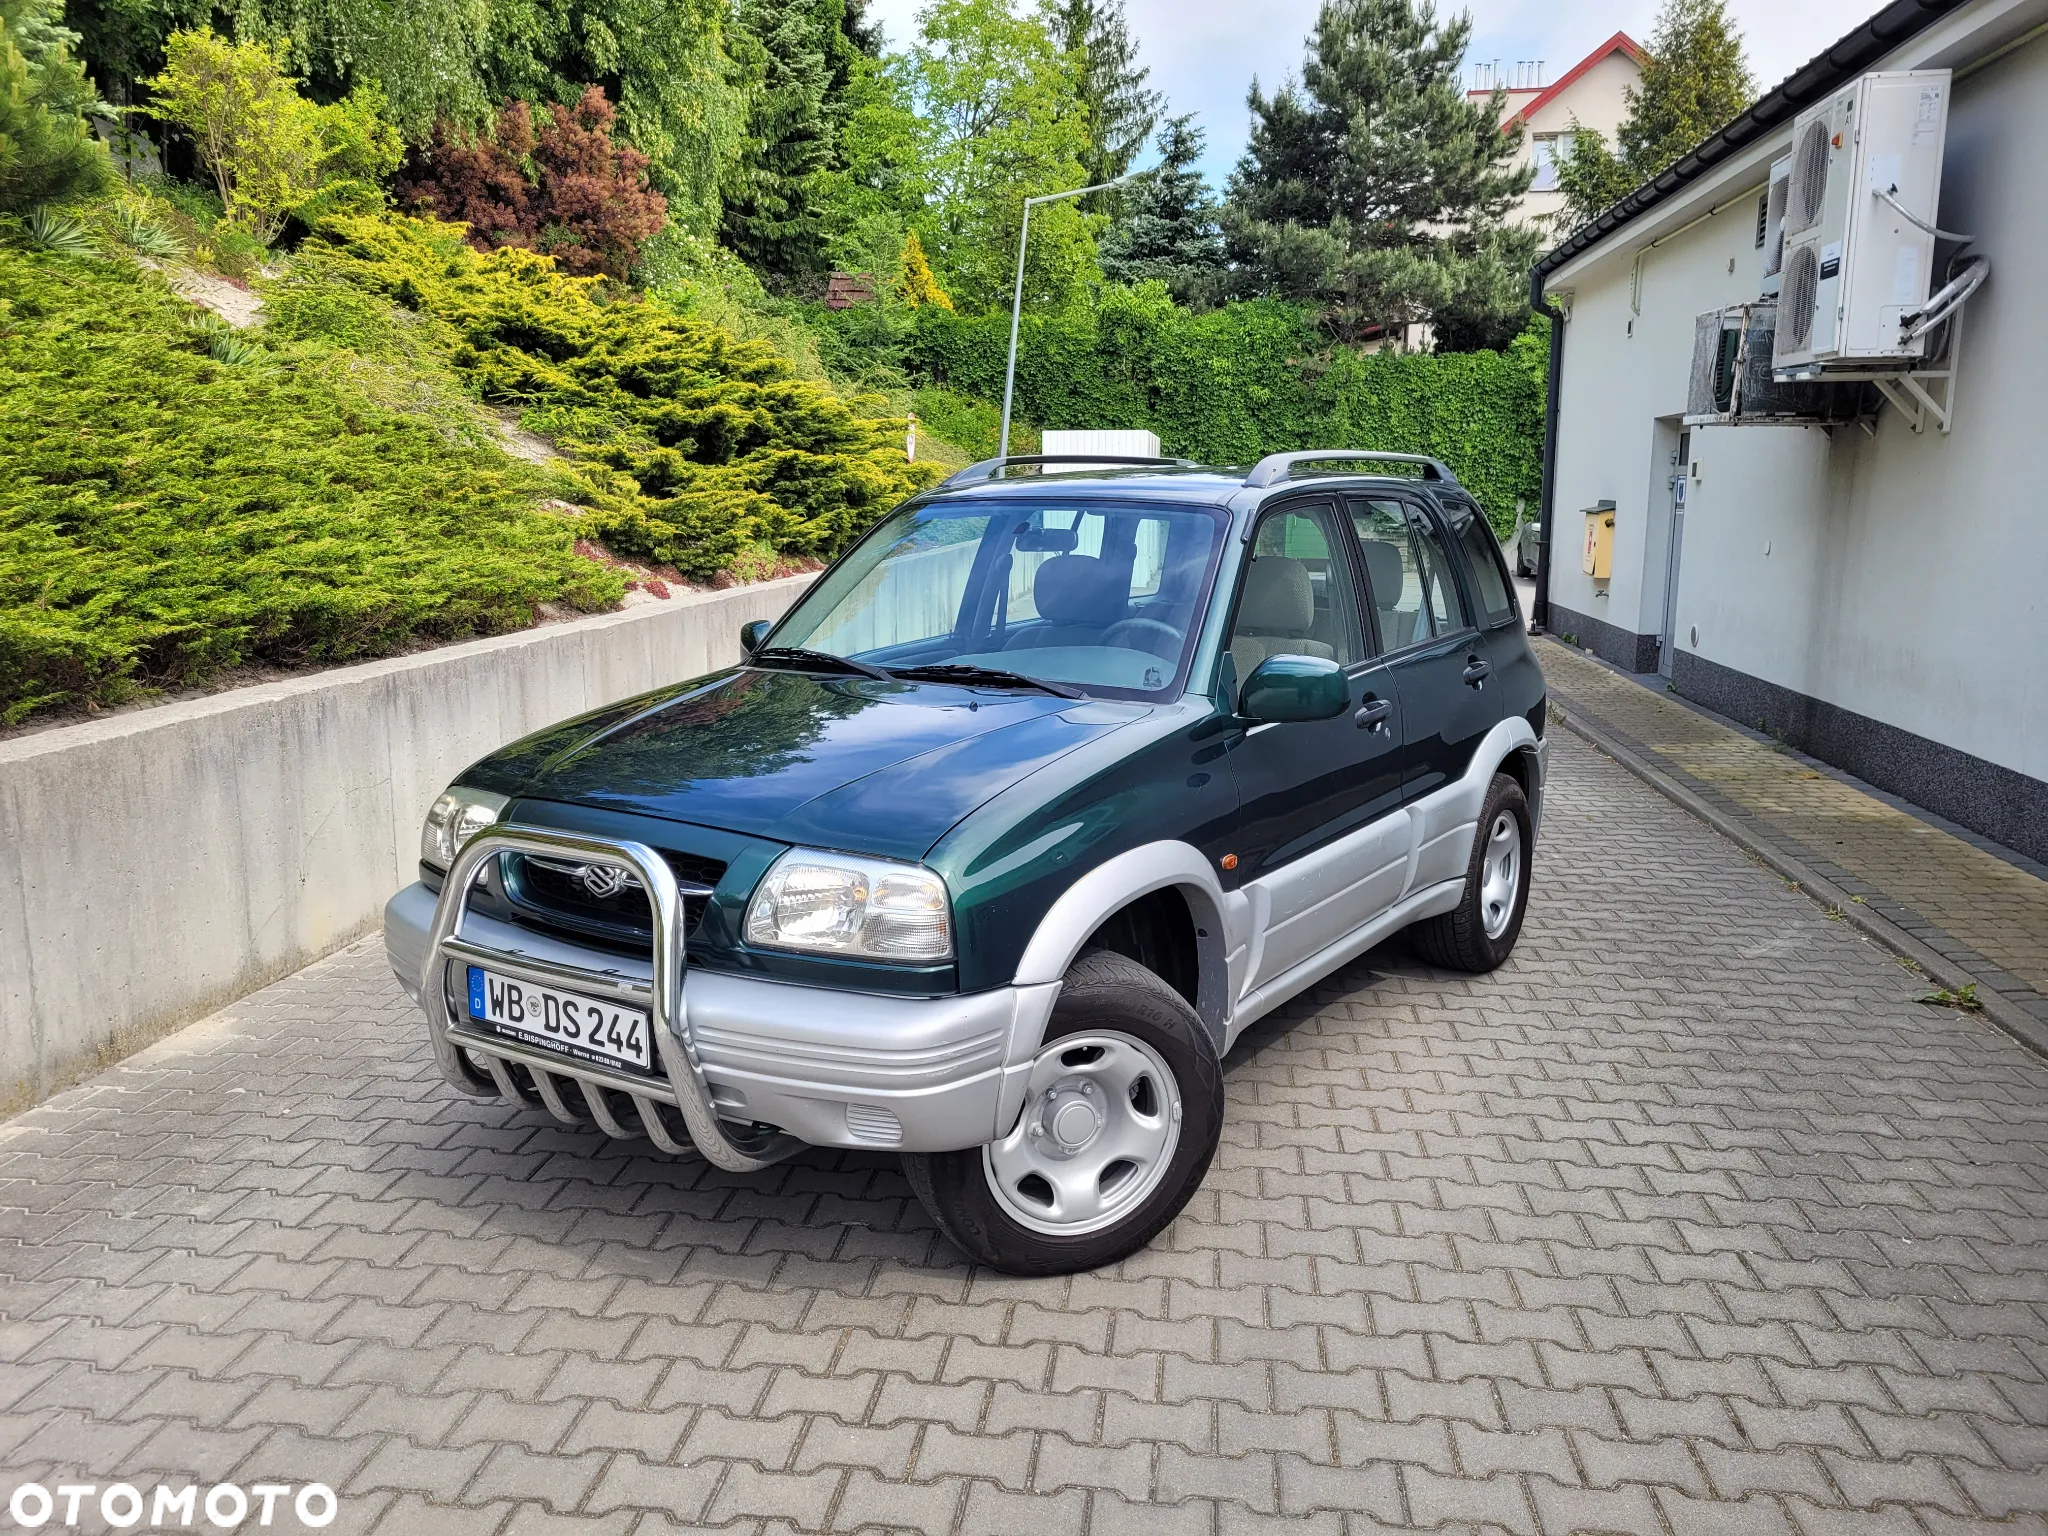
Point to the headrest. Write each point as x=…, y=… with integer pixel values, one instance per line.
x=1079, y=589
x=1278, y=597
x=1384, y=566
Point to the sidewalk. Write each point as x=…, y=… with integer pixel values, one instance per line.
x=1966, y=915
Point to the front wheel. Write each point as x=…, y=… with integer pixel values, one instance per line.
x=1122, y=1114
x=1480, y=932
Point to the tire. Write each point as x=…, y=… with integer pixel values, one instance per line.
x=1133, y=1023
x=1480, y=932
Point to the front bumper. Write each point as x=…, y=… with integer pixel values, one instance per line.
x=825, y=1067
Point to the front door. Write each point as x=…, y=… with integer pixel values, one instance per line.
x=1680, y=464
x=1315, y=793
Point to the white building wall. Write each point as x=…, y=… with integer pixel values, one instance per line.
x=1901, y=578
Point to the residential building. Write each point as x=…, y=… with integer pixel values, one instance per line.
x=1593, y=93
x=1874, y=593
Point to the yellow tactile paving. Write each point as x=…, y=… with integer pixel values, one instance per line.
x=1999, y=911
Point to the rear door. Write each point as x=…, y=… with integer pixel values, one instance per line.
x=1438, y=656
x=1516, y=684
x=1316, y=794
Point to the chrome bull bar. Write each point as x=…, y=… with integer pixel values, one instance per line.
x=688, y=1092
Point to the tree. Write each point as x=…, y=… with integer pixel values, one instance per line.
x=1374, y=190
x=661, y=63
x=48, y=153
x=1001, y=119
x=269, y=150
x=916, y=285
x=562, y=186
x=788, y=50
x=878, y=179
x=1694, y=80
x=1167, y=227
x=1122, y=111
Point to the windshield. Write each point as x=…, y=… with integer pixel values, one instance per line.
x=1101, y=596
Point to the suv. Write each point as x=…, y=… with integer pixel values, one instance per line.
x=991, y=847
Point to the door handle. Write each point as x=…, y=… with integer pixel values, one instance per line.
x=1372, y=716
x=1476, y=670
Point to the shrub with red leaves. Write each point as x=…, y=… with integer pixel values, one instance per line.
x=564, y=188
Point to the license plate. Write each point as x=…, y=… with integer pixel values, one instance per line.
x=583, y=1027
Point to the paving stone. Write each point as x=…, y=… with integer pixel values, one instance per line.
x=1690, y=1203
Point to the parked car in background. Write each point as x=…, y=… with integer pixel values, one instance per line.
x=1526, y=544
x=992, y=846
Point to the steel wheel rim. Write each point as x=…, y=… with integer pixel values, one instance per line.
x=1101, y=1121
x=1500, y=874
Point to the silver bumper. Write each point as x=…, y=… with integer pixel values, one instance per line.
x=830, y=1068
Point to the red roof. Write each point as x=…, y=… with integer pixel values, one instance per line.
x=1621, y=42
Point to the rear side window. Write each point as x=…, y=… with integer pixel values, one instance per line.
x=1412, y=589
x=1482, y=557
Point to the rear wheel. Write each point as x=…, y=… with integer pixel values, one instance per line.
x=1121, y=1117
x=1480, y=932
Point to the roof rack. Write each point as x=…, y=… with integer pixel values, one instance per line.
x=990, y=469
x=1276, y=467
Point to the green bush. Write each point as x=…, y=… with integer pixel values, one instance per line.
x=165, y=514
x=1232, y=384
x=697, y=448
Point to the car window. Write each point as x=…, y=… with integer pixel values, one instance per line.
x=1297, y=597
x=1413, y=595
x=1105, y=596
x=1482, y=558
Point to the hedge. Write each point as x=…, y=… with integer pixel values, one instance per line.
x=1233, y=384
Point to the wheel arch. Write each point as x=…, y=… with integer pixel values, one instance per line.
x=1109, y=889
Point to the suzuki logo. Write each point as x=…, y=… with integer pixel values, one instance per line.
x=604, y=880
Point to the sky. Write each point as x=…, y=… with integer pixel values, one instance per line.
x=1204, y=53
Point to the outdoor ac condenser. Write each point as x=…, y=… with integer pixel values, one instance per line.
x=1860, y=210
x=1732, y=382
x=1772, y=226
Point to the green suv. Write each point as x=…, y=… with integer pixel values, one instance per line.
x=991, y=847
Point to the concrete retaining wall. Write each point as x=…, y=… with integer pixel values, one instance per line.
x=159, y=864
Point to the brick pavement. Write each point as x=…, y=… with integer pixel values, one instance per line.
x=1981, y=911
x=1686, y=1220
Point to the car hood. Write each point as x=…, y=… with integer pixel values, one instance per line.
x=861, y=765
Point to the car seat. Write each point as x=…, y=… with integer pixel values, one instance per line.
x=1078, y=597
x=1277, y=615
x=1388, y=573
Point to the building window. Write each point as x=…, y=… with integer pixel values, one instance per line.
x=1545, y=150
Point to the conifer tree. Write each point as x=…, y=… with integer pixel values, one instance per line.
x=916, y=285
x=47, y=150
x=1167, y=228
x=1694, y=80
x=785, y=48
x=1374, y=190
x=1122, y=109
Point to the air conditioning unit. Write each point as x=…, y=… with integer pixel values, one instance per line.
x=1733, y=381
x=1860, y=208
x=1771, y=226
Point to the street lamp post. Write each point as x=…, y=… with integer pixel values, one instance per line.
x=1017, y=298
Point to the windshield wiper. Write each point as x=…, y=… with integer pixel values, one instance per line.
x=801, y=657
x=994, y=677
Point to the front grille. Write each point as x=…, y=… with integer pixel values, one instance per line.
x=609, y=905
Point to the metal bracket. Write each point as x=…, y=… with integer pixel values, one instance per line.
x=1907, y=391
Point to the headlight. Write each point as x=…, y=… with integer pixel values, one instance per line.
x=456, y=817
x=828, y=903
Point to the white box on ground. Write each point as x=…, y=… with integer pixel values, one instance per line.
x=1117, y=443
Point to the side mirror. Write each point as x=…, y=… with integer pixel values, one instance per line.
x=1294, y=688
x=752, y=634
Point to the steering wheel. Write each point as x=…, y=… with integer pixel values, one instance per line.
x=1149, y=635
